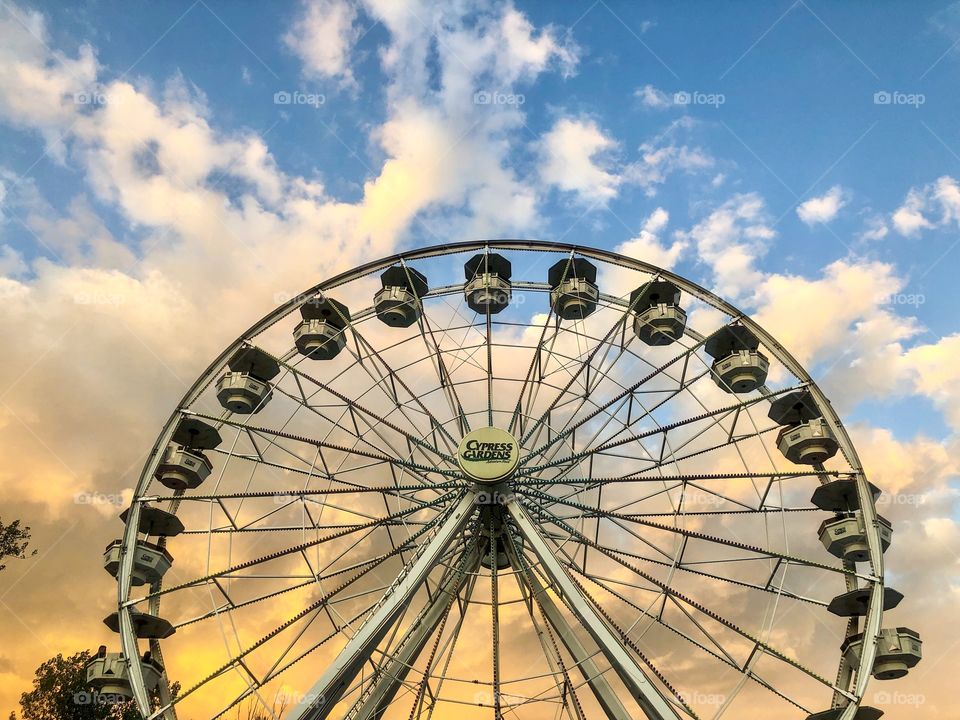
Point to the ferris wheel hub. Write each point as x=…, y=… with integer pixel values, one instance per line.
x=488, y=455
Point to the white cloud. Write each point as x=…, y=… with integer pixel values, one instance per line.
x=147, y=305
x=936, y=204
x=854, y=337
x=323, y=36
x=159, y=162
x=824, y=208
x=574, y=158
x=935, y=373
x=876, y=229
x=730, y=240
x=192, y=260
x=648, y=247
x=528, y=55
x=654, y=98
x=486, y=49
x=666, y=154
x=41, y=89
x=908, y=219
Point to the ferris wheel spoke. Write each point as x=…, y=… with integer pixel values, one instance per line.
x=691, y=534
x=374, y=361
x=551, y=651
x=708, y=513
x=406, y=491
x=538, y=497
x=720, y=654
x=528, y=386
x=338, y=629
x=378, y=456
x=678, y=508
x=445, y=650
x=319, y=577
x=582, y=399
x=363, y=410
x=313, y=609
x=298, y=548
x=489, y=367
x=586, y=363
x=625, y=637
x=717, y=415
x=636, y=477
x=571, y=425
x=689, y=567
x=495, y=618
x=552, y=449
x=664, y=459
x=254, y=684
x=372, y=446
x=443, y=374
x=356, y=411
x=704, y=610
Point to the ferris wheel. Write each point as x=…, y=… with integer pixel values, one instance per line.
x=503, y=479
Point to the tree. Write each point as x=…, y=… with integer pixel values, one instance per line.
x=60, y=692
x=14, y=541
x=58, y=683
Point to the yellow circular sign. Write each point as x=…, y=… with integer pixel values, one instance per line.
x=488, y=455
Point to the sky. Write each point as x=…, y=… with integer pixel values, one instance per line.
x=169, y=172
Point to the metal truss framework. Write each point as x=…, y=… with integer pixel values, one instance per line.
x=343, y=499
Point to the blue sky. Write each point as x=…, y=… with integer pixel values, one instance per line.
x=798, y=157
x=797, y=118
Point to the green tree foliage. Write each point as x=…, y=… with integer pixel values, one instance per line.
x=14, y=541
x=60, y=692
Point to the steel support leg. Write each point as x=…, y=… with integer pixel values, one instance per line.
x=325, y=694
x=651, y=701
x=530, y=583
x=375, y=701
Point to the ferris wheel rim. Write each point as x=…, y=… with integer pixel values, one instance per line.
x=873, y=618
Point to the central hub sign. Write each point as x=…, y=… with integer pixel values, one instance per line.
x=488, y=455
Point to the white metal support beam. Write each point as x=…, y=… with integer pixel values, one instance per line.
x=651, y=701
x=377, y=699
x=613, y=709
x=325, y=694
